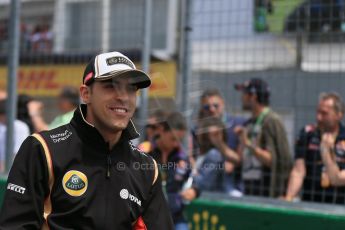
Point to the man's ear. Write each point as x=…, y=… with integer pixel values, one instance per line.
x=85, y=92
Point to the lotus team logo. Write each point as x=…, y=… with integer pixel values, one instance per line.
x=74, y=183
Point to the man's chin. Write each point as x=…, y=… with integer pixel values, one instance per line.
x=326, y=128
x=120, y=127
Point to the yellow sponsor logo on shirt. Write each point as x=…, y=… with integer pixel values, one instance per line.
x=75, y=183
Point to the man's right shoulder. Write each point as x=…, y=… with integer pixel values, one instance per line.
x=33, y=145
x=58, y=135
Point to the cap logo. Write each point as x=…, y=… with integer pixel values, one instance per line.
x=119, y=60
x=74, y=183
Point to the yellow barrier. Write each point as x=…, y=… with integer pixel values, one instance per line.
x=47, y=80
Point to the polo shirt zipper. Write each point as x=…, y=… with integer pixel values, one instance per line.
x=108, y=166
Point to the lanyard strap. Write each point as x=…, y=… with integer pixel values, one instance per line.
x=262, y=116
x=258, y=123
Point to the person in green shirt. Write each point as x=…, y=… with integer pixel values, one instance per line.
x=266, y=157
x=68, y=101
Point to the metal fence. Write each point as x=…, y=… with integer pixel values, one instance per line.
x=296, y=46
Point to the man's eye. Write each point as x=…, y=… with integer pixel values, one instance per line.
x=111, y=85
x=108, y=86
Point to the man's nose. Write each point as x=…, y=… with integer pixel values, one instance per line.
x=121, y=92
x=213, y=109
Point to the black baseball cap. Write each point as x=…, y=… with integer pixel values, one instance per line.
x=254, y=86
x=105, y=66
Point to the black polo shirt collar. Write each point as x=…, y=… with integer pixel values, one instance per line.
x=92, y=134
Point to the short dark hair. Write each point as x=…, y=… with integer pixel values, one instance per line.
x=71, y=94
x=174, y=121
x=22, y=105
x=210, y=93
x=158, y=114
x=338, y=104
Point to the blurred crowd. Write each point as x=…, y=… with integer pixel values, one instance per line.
x=30, y=117
x=225, y=153
x=36, y=38
x=248, y=156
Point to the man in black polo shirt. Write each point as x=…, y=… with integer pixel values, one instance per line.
x=309, y=173
x=86, y=174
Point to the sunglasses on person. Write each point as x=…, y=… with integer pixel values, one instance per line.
x=208, y=106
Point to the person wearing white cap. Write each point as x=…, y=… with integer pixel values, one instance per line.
x=87, y=174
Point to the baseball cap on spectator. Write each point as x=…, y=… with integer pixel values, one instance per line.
x=114, y=64
x=254, y=86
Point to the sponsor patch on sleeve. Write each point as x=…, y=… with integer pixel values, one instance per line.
x=16, y=188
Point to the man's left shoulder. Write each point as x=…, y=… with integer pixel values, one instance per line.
x=141, y=161
x=273, y=117
x=273, y=123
